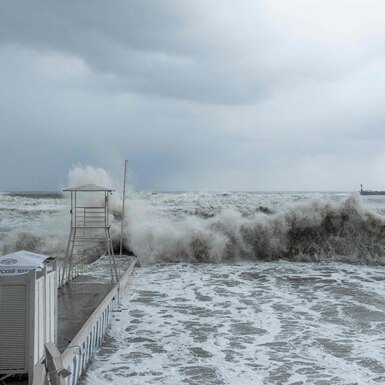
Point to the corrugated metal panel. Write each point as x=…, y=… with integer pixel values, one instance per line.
x=39, y=309
x=13, y=327
x=52, y=297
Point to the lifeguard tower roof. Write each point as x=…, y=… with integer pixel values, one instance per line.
x=88, y=187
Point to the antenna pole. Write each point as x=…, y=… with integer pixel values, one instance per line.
x=124, y=196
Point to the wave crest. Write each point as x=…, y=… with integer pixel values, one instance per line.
x=317, y=230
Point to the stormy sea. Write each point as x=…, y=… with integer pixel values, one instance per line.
x=233, y=287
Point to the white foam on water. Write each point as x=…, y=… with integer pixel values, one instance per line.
x=251, y=317
x=326, y=228
x=213, y=227
x=248, y=323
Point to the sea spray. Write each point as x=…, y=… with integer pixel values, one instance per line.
x=319, y=229
x=39, y=222
x=207, y=227
x=313, y=230
x=80, y=175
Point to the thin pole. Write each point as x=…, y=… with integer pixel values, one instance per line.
x=124, y=195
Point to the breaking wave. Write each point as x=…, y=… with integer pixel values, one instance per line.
x=316, y=230
x=211, y=227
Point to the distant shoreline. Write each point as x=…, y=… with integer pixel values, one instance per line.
x=34, y=194
x=60, y=194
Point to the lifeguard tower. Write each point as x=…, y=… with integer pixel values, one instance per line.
x=89, y=227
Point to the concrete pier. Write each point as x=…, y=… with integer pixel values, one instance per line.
x=76, y=302
x=78, y=299
x=85, y=307
x=93, y=321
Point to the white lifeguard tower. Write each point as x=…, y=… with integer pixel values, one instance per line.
x=89, y=226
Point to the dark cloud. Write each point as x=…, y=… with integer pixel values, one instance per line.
x=204, y=94
x=193, y=51
x=143, y=46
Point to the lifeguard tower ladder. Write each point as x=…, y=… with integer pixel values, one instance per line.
x=89, y=225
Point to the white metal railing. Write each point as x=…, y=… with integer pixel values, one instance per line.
x=90, y=217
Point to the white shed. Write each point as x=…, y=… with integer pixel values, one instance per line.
x=28, y=310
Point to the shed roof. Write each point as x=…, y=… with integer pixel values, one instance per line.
x=88, y=187
x=25, y=259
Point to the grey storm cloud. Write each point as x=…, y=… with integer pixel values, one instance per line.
x=184, y=50
x=149, y=47
x=245, y=94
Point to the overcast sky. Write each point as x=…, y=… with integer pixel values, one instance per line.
x=197, y=95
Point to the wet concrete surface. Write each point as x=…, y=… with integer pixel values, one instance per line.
x=76, y=302
x=78, y=299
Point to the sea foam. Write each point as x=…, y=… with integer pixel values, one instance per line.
x=208, y=227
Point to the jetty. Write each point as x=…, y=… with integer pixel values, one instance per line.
x=54, y=314
x=371, y=192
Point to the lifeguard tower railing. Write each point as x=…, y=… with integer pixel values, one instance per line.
x=89, y=227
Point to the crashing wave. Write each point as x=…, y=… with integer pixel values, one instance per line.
x=212, y=227
x=316, y=230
